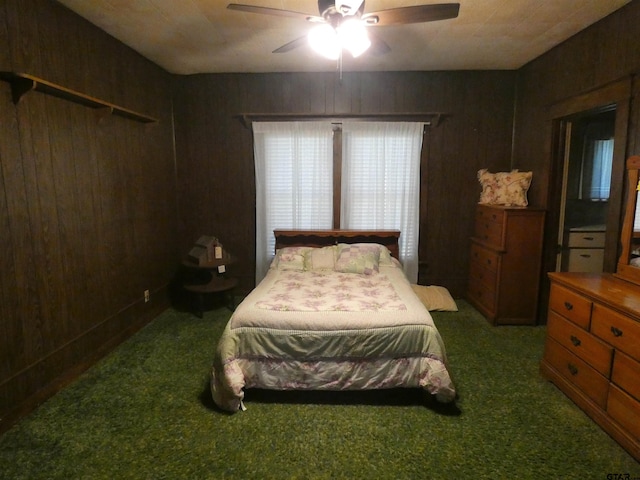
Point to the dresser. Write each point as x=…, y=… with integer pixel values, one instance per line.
x=592, y=350
x=505, y=263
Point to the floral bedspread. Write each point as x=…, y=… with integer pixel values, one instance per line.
x=317, y=330
x=324, y=292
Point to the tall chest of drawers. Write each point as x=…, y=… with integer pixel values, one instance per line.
x=592, y=350
x=505, y=263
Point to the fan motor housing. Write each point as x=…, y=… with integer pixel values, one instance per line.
x=327, y=8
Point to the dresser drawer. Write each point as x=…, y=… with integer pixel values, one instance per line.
x=578, y=372
x=624, y=410
x=585, y=259
x=482, y=292
x=619, y=330
x=586, y=239
x=490, y=227
x=480, y=275
x=584, y=345
x=626, y=374
x=570, y=305
x=485, y=257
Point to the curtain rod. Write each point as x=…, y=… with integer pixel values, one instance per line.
x=427, y=118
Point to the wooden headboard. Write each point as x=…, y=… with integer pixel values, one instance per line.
x=323, y=238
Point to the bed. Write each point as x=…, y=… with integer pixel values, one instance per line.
x=334, y=312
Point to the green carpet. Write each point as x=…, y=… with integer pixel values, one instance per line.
x=145, y=412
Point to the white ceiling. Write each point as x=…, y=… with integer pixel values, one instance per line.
x=203, y=36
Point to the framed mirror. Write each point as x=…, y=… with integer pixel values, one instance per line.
x=629, y=262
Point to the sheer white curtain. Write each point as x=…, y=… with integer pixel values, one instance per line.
x=294, y=181
x=601, y=174
x=381, y=182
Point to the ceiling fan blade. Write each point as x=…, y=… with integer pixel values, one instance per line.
x=417, y=14
x=378, y=46
x=274, y=11
x=298, y=42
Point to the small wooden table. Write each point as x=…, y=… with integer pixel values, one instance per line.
x=218, y=282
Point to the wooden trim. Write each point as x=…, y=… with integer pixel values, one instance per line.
x=337, y=176
x=23, y=83
x=428, y=118
x=609, y=94
x=633, y=163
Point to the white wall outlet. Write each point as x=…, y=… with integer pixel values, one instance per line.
x=147, y=296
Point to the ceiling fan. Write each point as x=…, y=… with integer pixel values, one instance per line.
x=342, y=24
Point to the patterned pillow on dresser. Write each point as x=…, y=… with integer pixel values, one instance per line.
x=504, y=188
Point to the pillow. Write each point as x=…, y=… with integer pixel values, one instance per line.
x=358, y=258
x=385, y=257
x=504, y=188
x=290, y=258
x=320, y=258
x=435, y=298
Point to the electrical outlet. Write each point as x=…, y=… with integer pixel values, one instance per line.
x=147, y=296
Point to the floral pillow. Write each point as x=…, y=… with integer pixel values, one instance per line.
x=320, y=258
x=504, y=188
x=358, y=258
x=290, y=258
x=385, y=257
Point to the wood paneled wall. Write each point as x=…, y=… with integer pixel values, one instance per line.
x=604, y=53
x=216, y=181
x=88, y=211
x=94, y=211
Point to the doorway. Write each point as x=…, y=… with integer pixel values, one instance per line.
x=615, y=99
x=586, y=186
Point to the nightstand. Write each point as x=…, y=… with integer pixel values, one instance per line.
x=210, y=278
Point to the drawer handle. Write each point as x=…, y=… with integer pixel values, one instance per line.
x=573, y=370
x=616, y=332
x=585, y=255
x=568, y=306
x=587, y=238
x=575, y=340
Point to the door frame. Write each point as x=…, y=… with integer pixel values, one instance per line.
x=614, y=95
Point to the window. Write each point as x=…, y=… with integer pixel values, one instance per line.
x=294, y=181
x=380, y=181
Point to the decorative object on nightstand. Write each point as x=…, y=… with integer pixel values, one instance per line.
x=592, y=351
x=209, y=261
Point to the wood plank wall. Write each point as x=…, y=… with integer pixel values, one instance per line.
x=216, y=182
x=87, y=204
x=604, y=53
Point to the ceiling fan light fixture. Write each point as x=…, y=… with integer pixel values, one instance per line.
x=324, y=40
x=353, y=37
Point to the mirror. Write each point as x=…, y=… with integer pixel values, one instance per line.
x=629, y=263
